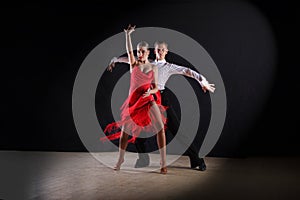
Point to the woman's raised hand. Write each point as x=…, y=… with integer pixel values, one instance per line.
x=129, y=29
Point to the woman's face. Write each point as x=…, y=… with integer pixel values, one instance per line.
x=142, y=53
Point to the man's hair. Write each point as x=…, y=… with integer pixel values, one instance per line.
x=143, y=44
x=160, y=43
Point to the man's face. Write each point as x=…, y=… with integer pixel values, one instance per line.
x=160, y=51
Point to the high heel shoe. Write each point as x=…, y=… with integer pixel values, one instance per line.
x=117, y=167
x=163, y=170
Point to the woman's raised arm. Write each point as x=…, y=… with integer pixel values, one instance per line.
x=129, y=49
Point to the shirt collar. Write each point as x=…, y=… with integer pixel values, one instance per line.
x=160, y=61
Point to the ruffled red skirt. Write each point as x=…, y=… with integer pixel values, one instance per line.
x=137, y=116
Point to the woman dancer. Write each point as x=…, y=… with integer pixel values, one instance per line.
x=140, y=111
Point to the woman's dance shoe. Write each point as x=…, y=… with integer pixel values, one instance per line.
x=163, y=170
x=117, y=167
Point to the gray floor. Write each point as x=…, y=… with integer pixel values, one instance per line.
x=66, y=175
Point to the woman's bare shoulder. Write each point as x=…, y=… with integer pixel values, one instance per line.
x=154, y=67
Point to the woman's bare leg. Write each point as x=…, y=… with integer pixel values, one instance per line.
x=161, y=142
x=123, y=142
x=161, y=137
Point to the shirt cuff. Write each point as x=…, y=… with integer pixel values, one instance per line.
x=203, y=81
x=113, y=60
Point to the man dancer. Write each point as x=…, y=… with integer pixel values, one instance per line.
x=165, y=70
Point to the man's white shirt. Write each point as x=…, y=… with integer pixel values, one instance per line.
x=165, y=70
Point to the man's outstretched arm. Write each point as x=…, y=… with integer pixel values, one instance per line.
x=176, y=69
x=115, y=60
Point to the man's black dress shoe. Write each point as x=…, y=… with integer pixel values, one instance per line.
x=198, y=164
x=142, y=161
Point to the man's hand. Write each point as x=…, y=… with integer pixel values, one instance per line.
x=207, y=86
x=110, y=67
x=111, y=64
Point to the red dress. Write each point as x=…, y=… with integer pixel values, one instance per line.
x=136, y=113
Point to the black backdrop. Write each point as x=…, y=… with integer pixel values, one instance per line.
x=43, y=46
